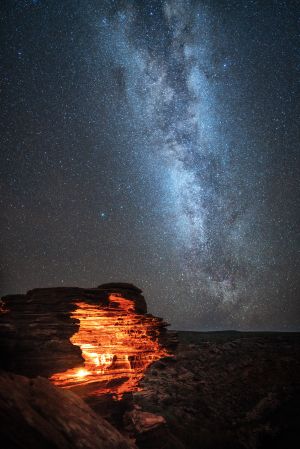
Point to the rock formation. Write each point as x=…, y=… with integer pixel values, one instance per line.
x=90, y=340
x=219, y=390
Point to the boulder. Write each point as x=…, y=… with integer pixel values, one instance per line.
x=37, y=415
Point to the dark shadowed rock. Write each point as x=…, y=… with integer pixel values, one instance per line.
x=34, y=414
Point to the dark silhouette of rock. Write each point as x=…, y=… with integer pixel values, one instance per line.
x=34, y=414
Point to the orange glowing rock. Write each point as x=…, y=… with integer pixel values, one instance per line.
x=117, y=346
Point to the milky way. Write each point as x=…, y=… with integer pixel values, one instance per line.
x=160, y=147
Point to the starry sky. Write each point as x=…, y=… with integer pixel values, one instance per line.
x=155, y=142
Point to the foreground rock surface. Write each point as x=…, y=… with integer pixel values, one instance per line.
x=34, y=414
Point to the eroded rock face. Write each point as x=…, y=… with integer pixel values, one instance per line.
x=91, y=340
x=37, y=415
x=117, y=345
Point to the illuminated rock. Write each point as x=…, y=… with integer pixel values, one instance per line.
x=90, y=340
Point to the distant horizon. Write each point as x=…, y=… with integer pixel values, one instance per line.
x=239, y=331
x=202, y=330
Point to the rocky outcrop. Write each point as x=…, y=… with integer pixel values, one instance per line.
x=92, y=340
x=37, y=415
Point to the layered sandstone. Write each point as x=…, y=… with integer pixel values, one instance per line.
x=97, y=340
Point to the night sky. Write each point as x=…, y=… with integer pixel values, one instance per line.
x=154, y=142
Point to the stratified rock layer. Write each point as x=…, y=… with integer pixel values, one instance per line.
x=93, y=340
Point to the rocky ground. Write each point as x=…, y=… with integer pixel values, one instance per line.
x=219, y=390
x=226, y=390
